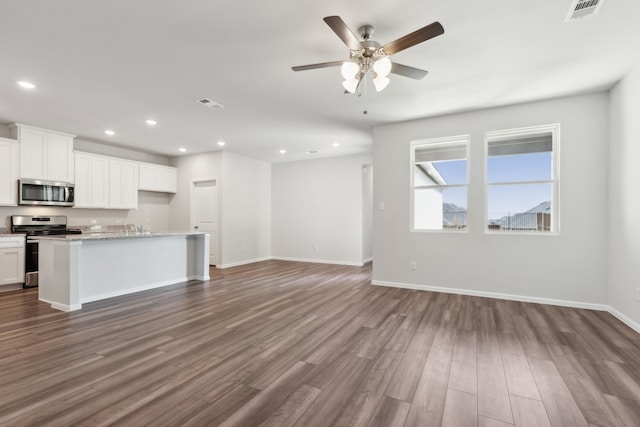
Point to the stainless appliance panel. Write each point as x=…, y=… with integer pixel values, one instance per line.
x=45, y=193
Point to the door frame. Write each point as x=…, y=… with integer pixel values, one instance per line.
x=192, y=219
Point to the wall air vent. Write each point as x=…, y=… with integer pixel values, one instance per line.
x=583, y=8
x=210, y=103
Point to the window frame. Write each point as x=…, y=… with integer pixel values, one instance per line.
x=554, y=129
x=441, y=141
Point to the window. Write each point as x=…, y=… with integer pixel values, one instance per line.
x=522, y=180
x=439, y=180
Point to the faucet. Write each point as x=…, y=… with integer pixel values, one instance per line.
x=134, y=228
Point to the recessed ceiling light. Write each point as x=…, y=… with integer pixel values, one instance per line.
x=336, y=144
x=182, y=149
x=283, y=151
x=151, y=122
x=221, y=143
x=26, y=85
x=109, y=132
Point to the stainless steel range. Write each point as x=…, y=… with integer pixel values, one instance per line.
x=34, y=226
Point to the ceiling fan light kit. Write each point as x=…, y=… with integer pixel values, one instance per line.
x=369, y=56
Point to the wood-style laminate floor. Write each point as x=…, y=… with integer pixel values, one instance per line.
x=292, y=344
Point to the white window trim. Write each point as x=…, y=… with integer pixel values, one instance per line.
x=555, y=177
x=436, y=141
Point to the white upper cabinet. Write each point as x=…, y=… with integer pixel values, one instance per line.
x=92, y=181
x=44, y=154
x=123, y=184
x=9, y=174
x=158, y=178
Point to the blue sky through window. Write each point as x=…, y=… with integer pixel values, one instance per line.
x=504, y=200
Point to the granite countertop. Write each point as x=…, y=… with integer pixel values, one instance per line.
x=118, y=235
x=5, y=232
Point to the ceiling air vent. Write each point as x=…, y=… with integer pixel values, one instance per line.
x=210, y=103
x=583, y=8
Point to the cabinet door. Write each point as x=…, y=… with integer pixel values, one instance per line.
x=147, y=177
x=167, y=179
x=158, y=178
x=83, y=181
x=91, y=178
x=123, y=185
x=59, y=158
x=8, y=172
x=99, y=177
x=11, y=265
x=33, y=154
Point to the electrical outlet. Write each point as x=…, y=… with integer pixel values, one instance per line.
x=315, y=247
x=412, y=265
x=381, y=206
x=93, y=222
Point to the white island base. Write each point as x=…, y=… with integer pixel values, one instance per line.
x=78, y=269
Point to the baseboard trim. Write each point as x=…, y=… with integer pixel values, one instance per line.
x=321, y=261
x=510, y=297
x=624, y=319
x=62, y=307
x=245, y=262
x=121, y=292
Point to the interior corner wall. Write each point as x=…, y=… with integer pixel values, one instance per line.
x=246, y=210
x=191, y=168
x=624, y=198
x=367, y=213
x=569, y=268
x=318, y=210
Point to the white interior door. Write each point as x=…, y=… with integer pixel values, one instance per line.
x=204, y=207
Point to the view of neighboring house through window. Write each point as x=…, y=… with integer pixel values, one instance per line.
x=439, y=182
x=522, y=179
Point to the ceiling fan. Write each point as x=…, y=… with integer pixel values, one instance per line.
x=368, y=55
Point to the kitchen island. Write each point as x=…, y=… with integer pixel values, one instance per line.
x=80, y=268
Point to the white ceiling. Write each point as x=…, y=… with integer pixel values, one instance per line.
x=112, y=64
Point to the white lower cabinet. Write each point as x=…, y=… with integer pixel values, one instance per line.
x=11, y=260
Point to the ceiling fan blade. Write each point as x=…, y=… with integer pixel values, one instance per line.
x=418, y=36
x=320, y=65
x=406, y=71
x=346, y=35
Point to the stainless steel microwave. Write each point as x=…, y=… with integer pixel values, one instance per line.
x=45, y=193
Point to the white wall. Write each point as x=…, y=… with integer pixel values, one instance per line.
x=121, y=152
x=317, y=210
x=191, y=168
x=244, y=191
x=624, y=197
x=570, y=267
x=367, y=213
x=246, y=209
x=153, y=209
